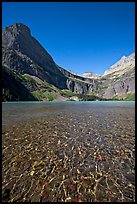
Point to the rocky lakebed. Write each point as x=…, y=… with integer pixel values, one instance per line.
x=79, y=153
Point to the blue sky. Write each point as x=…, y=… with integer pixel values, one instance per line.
x=80, y=36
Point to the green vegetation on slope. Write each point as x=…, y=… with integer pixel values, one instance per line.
x=13, y=88
x=126, y=97
x=28, y=79
x=67, y=93
x=83, y=97
x=23, y=87
x=39, y=95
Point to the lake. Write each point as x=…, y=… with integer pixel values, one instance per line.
x=68, y=151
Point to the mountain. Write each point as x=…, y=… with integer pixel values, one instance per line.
x=90, y=75
x=24, y=54
x=30, y=73
x=121, y=77
x=118, y=82
x=122, y=65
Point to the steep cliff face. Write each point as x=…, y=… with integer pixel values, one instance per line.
x=78, y=86
x=120, y=77
x=122, y=84
x=23, y=53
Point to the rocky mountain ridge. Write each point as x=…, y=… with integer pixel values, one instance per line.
x=25, y=59
x=123, y=63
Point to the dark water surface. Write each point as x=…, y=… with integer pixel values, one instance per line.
x=68, y=151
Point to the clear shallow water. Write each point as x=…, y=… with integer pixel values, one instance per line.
x=12, y=112
x=82, y=150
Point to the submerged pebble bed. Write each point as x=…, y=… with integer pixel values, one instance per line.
x=71, y=156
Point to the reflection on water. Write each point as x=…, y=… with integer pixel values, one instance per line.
x=68, y=151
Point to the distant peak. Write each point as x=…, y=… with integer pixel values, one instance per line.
x=19, y=27
x=124, y=62
x=123, y=57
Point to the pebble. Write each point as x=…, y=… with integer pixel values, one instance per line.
x=63, y=161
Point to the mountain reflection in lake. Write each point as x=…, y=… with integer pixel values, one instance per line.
x=68, y=151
